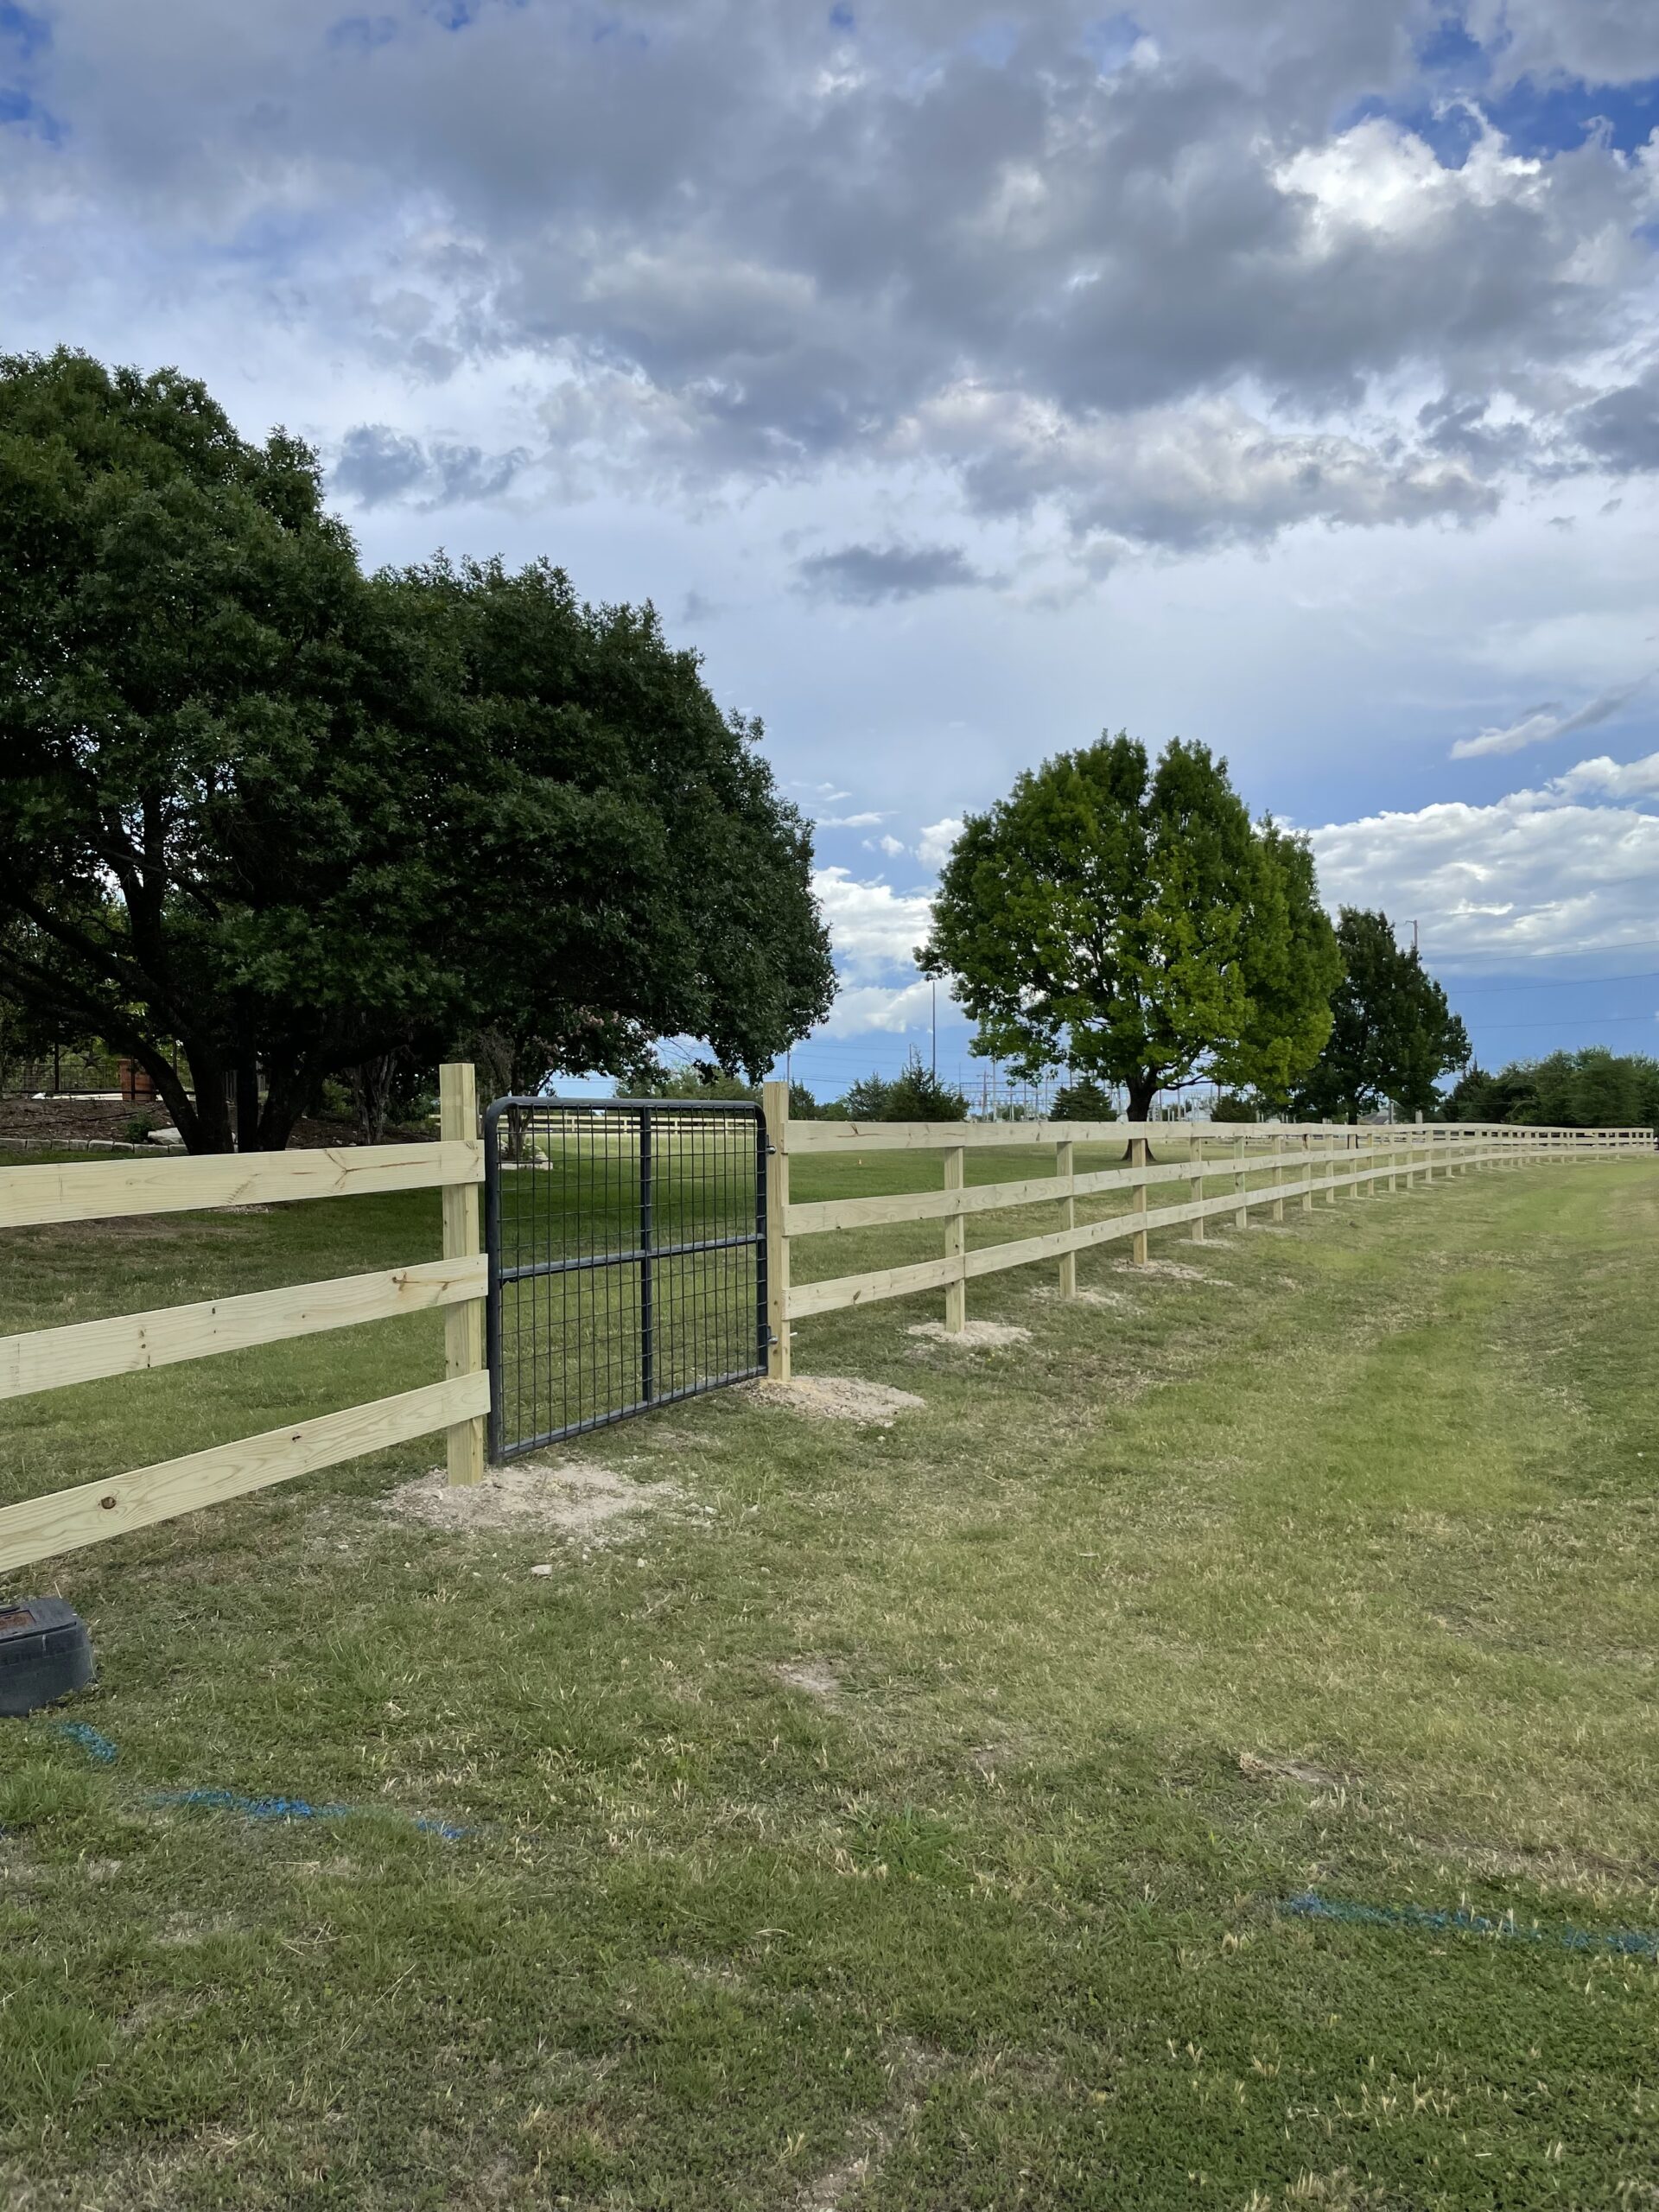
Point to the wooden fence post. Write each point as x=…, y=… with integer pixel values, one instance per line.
x=1138, y=1204
x=1197, y=1144
x=1330, y=1143
x=956, y=1245
x=1241, y=1182
x=774, y=1102
x=1419, y=1143
x=1065, y=1157
x=463, y=1325
x=1278, y=1174
x=1307, y=1174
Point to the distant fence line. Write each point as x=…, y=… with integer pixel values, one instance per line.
x=1320, y=1158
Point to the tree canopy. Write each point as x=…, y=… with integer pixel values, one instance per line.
x=1393, y=1035
x=1590, y=1089
x=279, y=817
x=1132, y=924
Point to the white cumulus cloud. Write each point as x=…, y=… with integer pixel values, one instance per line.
x=1538, y=874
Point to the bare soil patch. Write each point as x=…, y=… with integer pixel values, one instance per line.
x=1170, y=1271
x=577, y=1499
x=973, y=1335
x=1254, y=1768
x=1113, y=1298
x=810, y=1675
x=840, y=1397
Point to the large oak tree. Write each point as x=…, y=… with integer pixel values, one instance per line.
x=1131, y=922
x=277, y=817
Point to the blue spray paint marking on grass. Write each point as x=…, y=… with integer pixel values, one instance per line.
x=82, y=1732
x=1629, y=1943
x=99, y=1746
x=293, y=1809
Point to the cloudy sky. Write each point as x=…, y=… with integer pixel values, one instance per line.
x=964, y=380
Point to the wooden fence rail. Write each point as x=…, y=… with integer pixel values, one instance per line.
x=1320, y=1159
x=50, y=1359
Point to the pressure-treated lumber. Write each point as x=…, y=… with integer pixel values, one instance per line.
x=82, y=1191
x=827, y=1297
x=774, y=1105
x=841, y=1291
x=129, y=1343
x=1197, y=1144
x=463, y=1325
x=956, y=1247
x=40, y=1528
x=1065, y=1161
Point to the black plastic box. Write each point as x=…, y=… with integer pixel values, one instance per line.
x=44, y=1652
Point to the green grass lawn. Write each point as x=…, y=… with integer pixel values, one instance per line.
x=902, y=1818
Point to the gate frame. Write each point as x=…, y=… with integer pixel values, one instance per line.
x=647, y=1251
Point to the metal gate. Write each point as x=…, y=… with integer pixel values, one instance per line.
x=627, y=1259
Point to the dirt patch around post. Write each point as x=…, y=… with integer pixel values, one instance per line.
x=1112, y=1299
x=589, y=1504
x=1170, y=1271
x=1254, y=1768
x=840, y=1397
x=973, y=1335
x=811, y=1677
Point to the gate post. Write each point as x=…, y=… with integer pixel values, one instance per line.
x=463, y=1325
x=775, y=1105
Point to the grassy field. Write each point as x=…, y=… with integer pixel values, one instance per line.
x=897, y=1818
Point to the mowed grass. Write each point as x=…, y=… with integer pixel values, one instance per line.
x=903, y=1818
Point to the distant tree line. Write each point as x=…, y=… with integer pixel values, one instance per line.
x=1587, y=1090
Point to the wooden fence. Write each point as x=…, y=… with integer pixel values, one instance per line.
x=1299, y=1161
x=47, y=1359
x=1320, y=1160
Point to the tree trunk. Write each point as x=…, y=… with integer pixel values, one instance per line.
x=1143, y=1088
x=247, y=1105
x=370, y=1085
x=205, y=1122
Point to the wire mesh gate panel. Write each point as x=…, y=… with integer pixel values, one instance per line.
x=627, y=1259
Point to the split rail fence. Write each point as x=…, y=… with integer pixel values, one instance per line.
x=1301, y=1162
x=48, y=1359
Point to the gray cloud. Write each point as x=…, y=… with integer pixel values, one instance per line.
x=1539, y=725
x=1621, y=429
x=868, y=576
x=727, y=242
x=377, y=465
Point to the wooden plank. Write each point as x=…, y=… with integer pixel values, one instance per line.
x=1197, y=1187
x=1065, y=1171
x=956, y=1247
x=64, y=1521
x=77, y=1191
x=835, y=1291
x=775, y=1105
x=1241, y=1185
x=463, y=1325
x=1138, y=1153
x=824, y=1216
x=130, y=1343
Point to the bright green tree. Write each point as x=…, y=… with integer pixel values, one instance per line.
x=915, y=1094
x=1134, y=924
x=1393, y=1035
